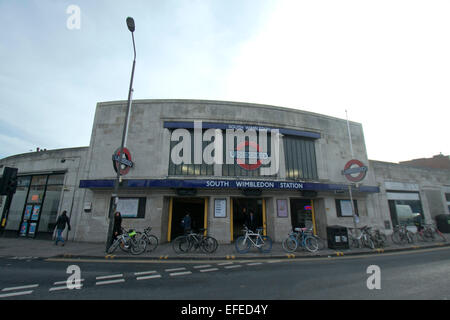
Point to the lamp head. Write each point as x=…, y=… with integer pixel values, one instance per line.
x=130, y=24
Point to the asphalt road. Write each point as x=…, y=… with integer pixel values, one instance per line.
x=414, y=275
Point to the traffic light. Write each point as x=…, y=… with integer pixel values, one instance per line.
x=8, y=184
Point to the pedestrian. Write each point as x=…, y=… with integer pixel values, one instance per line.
x=186, y=222
x=117, y=229
x=60, y=226
x=251, y=221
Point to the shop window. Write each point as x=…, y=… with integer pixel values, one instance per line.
x=49, y=212
x=344, y=207
x=18, y=201
x=406, y=212
x=56, y=179
x=39, y=180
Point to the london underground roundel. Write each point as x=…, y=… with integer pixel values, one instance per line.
x=241, y=148
x=124, y=163
x=355, y=170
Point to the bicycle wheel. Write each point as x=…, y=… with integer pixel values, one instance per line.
x=354, y=243
x=242, y=244
x=427, y=235
x=209, y=244
x=290, y=244
x=125, y=246
x=410, y=237
x=113, y=247
x=320, y=242
x=367, y=242
x=396, y=238
x=137, y=246
x=439, y=236
x=152, y=242
x=311, y=244
x=180, y=244
x=265, y=242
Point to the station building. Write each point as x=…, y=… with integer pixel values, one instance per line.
x=218, y=161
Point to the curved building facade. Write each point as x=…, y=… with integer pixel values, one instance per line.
x=216, y=160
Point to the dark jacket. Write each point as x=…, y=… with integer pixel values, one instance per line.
x=61, y=222
x=251, y=223
x=187, y=223
x=117, y=225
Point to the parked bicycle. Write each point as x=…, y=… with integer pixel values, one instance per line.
x=360, y=238
x=402, y=235
x=429, y=232
x=321, y=242
x=194, y=241
x=250, y=238
x=299, y=237
x=379, y=238
x=151, y=240
x=128, y=242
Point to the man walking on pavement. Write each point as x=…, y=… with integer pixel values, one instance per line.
x=60, y=226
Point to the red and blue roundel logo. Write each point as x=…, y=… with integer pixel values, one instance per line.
x=124, y=162
x=241, y=163
x=355, y=170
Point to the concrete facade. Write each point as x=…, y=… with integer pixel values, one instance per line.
x=430, y=184
x=149, y=140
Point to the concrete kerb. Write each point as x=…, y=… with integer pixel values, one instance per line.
x=43, y=249
x=262, y=256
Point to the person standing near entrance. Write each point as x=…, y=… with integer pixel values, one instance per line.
x=117, y=229
x=186, y=222
x=251, y=221
x=60, y=226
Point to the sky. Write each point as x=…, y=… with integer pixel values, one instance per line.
x=386, y=62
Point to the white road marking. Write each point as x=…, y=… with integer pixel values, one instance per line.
x=13, y=294
x=149, y=277
x=208, y=270
x=224, y=263
x=273, y=261
x=202, y=266
x=254, y=263
x=21, y=287
x=179, y=273
x=109, y=277
x=65, y=282
x=109, y=282
x=232, y=267
x=144, y=273
x=63, y=288
x=175, y=269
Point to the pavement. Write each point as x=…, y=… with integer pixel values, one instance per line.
x=27, y=248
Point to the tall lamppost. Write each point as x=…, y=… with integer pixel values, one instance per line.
x=131, y=27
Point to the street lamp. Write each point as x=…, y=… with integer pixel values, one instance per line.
x=131, y=27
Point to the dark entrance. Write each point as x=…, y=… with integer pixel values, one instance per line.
x=241, y=208
x=196, y=209
x=301, y=213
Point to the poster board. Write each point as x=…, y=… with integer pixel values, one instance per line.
x=220, y=208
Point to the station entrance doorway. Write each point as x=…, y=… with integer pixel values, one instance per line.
x=241, y=208
x=177, y=210
x=302, y=214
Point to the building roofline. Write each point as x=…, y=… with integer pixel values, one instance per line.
x=23, y=155
x=228, y=103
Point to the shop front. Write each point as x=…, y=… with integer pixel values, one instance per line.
x=34, y=206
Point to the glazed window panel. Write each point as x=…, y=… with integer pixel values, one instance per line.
x=191, y=168
x=244, y=153
x=300, y=158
